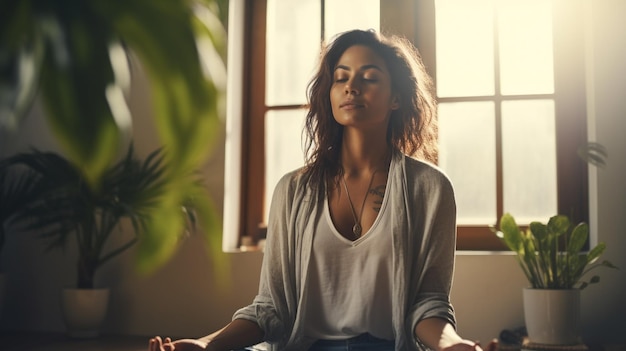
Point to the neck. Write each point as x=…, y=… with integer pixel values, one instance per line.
x=362, y=156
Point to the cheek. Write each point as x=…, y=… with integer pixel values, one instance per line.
x=335, y=91
x=381, y=97
x=335, y=98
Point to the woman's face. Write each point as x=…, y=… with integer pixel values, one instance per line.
x=360, y=94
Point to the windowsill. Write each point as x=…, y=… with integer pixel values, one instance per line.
x=251, y=247
x=484, y=253
x=255, y=248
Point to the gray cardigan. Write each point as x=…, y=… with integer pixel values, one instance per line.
x=423, y=213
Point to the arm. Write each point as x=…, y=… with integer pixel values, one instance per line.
x=434, y=256
x=438, y=334
x=431, y=318
x=237, y=334
x=274, y=306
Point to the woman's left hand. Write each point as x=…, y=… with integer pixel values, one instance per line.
x=158, y=344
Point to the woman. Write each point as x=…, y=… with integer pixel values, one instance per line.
x=361, y=241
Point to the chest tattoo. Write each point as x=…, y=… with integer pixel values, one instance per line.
x=378, y=194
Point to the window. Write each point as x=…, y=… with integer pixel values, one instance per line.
x=294, y=32
x=277, y=42
x=510, y=117
x=511, y=108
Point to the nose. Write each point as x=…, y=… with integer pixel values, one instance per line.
x=352, y=88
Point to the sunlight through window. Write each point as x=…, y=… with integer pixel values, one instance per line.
x=294, y=35
x=525, y=40
x=495, y=84
x=465, y=47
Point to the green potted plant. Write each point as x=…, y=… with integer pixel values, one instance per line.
x=553, y=259
x=64, y=208
x=79, y=56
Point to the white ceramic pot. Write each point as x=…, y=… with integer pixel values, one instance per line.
x=84, y=311
x=552, y=316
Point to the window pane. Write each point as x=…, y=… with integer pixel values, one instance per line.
x=293, y=43
x=283, y=147
x=526, y=60
x=529, y=159
x=467, y=155
x=343, y=15
x=464, y=47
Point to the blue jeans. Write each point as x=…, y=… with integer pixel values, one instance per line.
x=358, y=343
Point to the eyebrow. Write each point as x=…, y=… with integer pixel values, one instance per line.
x=362, y=68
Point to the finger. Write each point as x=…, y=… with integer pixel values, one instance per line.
x=158, y=344
x=154, y=344
x=167, y=344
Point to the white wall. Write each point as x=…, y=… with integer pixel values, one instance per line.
x=186, y=298
x=604, y=308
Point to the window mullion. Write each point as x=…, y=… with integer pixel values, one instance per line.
x=254, y=126
x=498, y=122
x=570, y=111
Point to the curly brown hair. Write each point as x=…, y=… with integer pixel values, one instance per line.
x=412, y=128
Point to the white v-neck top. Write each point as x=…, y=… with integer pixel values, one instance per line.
x=350, y=281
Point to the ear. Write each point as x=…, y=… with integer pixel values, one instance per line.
x=395, y=102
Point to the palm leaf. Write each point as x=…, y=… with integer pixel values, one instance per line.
x=16, y=192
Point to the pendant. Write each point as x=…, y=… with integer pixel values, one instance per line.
x=357, y=230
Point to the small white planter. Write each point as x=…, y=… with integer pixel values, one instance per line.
x=552, y=316
x=84, y=311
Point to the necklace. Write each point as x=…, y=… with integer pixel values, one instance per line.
x=357, y=229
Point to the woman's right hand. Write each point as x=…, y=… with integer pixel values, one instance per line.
x=158, y=344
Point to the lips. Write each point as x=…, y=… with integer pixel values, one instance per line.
x=349, y=105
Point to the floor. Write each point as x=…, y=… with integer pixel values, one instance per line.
x=24, y=341
x=61, y=342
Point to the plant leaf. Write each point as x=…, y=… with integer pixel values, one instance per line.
x=21, y=55
x=163, y=34
x=608, y=264
x=539, y=230
x=512, y=236
x=75, y=76
x=596, y=252
x=577, y=239
x=558, y=225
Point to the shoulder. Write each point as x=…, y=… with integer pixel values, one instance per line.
x=292, y=184
x=425, y=173
x=426, y=182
